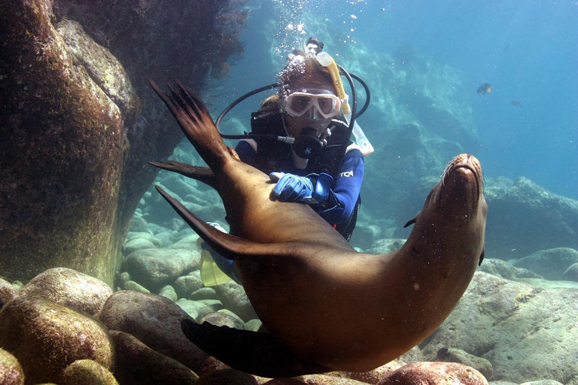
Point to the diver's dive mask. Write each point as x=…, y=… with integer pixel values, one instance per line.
x=322, y=104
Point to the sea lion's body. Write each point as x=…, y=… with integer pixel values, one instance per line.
x=322, y=300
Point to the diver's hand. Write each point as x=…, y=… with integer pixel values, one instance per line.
x=291, y=187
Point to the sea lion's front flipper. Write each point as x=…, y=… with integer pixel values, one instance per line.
x=251, y=352
x=202, y=174
x=227, y=245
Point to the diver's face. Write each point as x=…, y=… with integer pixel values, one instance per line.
x=315, y=84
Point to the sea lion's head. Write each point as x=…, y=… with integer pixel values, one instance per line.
x=454, y=214
x=460, y=192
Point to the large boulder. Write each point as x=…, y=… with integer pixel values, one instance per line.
x=527, y=218
x=156, y=322
x=10, y=370
x=526, y=332
x=78, y=120
x=70, y=288
x=550, y=264
x=434, y=373
x=137, y=364
x=46, y=337
x=154, y=268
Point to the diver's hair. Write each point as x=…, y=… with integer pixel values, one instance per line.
x=299, y=64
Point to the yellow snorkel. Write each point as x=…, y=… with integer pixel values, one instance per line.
x=327, y=61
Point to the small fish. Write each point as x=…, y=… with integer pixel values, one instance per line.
x=486, y=87
x=515, y=103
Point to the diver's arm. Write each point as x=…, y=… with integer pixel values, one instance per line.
x=343, y=195
x=246, y=153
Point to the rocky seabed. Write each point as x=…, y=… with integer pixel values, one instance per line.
x=65, y=327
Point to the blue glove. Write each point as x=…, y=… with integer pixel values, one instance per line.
x=313, y=188
x=291, y=187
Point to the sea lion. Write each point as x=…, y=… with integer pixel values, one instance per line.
x=327, y=307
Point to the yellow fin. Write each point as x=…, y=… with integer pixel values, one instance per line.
x=211, y=275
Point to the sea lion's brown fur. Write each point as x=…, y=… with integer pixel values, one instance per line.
x=324, y=301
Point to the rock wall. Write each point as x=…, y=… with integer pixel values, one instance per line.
x=78, y=121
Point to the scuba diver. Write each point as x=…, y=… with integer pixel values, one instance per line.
x=301, y=137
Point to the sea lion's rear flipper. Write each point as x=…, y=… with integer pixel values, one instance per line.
x=251, y=352
x=202, y=174
x=227, y=245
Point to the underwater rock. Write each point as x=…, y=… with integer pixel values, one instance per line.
x=7, y=292
x=527, y=218
x=434, y=373
x=187, y=284
x=386, y=246
x=46, y=337
x=10, y=370
x=233, y=296
x=137, y=364
x=507, y=322
x=70, y=288
x=142, y=235
x=88, y=372
x=227, y=377
x=253, y=325
x=505, y=270
x=571, y=273
x=74, y=75
x=134, y=286
x=169, y=292
x=459, y=356
x=203, y=293
x=315, y=379
x=223, y=318
x=550, y=264
x=156, y=321
x=542, y=382
x=137, y=244
x=366, y=232
x=198, y=309
x=64, y=197
x=138, y=225
x=153, y=268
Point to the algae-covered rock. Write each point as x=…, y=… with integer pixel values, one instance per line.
x=505, y=270
x=46, y=337
x=551, y=263
x=153, y=268
x=137, y=364
x=526, y=332
x=10, y=370
x=7, y=292
x=88, y=372
x=571, y=273
x=69, y=288
x=188, y=284
x=233, y=296
x=64, y=196
x=223, y=318
x=527, y=218
x=78, y=121
x=156, y=321
x=461, y=357
x=434, y=373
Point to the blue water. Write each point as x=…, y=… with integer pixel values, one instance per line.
x=527, y=50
